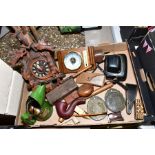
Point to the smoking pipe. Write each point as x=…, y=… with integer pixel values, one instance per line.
x=64, y=110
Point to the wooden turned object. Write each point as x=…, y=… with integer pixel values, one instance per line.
x=85, y=90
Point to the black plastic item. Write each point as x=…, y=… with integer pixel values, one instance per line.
x=126, y=32
x=146, y=95
x=137, y=35
x=149, y=118
x=7, y=120
x=146, y=53
x=133, y=34
x=146, y=56
x=115, y=67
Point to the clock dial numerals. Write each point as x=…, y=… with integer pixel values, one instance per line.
x=40, y=68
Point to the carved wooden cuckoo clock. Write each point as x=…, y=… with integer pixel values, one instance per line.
x=41, y=68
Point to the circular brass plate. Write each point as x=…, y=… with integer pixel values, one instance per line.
x=114, y=100
x=96, y=105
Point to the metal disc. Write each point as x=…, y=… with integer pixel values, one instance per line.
x=114, y=100
x=96, y=105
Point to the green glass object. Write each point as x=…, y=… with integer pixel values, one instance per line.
x=46, y=112
x=39, y=94
x=28, y=118
x=70, y=29
x=37, y=108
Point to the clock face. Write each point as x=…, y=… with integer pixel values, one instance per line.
x=40, y=69
x=72, y=61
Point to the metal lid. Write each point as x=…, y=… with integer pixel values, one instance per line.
x=96, y=105
x=114, y=100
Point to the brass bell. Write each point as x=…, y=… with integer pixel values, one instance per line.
x=31, y=109
x=37, y=111
x=34, y=111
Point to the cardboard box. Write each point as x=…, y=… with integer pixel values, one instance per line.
x=119, y=48
x=11, y=87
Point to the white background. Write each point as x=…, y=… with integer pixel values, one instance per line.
x=81, y=12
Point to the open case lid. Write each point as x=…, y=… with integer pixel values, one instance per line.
x=143, y=59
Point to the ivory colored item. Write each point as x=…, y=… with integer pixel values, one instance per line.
x=80, y=111
x=85, y=90
x=72, y=120
x=139, y=110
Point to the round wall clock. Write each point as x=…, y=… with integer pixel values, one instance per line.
x=72, y=60
x=41, y=68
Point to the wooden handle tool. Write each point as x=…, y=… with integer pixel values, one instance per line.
x=83, y=70
x=101, y=89
x=88, y=115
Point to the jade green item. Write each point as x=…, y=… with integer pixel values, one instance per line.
x=37, y=108
x=39, y=94
x=28, y=118
x=70, y=29
x=46, y=112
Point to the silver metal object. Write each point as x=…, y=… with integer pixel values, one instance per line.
x=131, y=96
x=114, y=100
x=96, y=105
